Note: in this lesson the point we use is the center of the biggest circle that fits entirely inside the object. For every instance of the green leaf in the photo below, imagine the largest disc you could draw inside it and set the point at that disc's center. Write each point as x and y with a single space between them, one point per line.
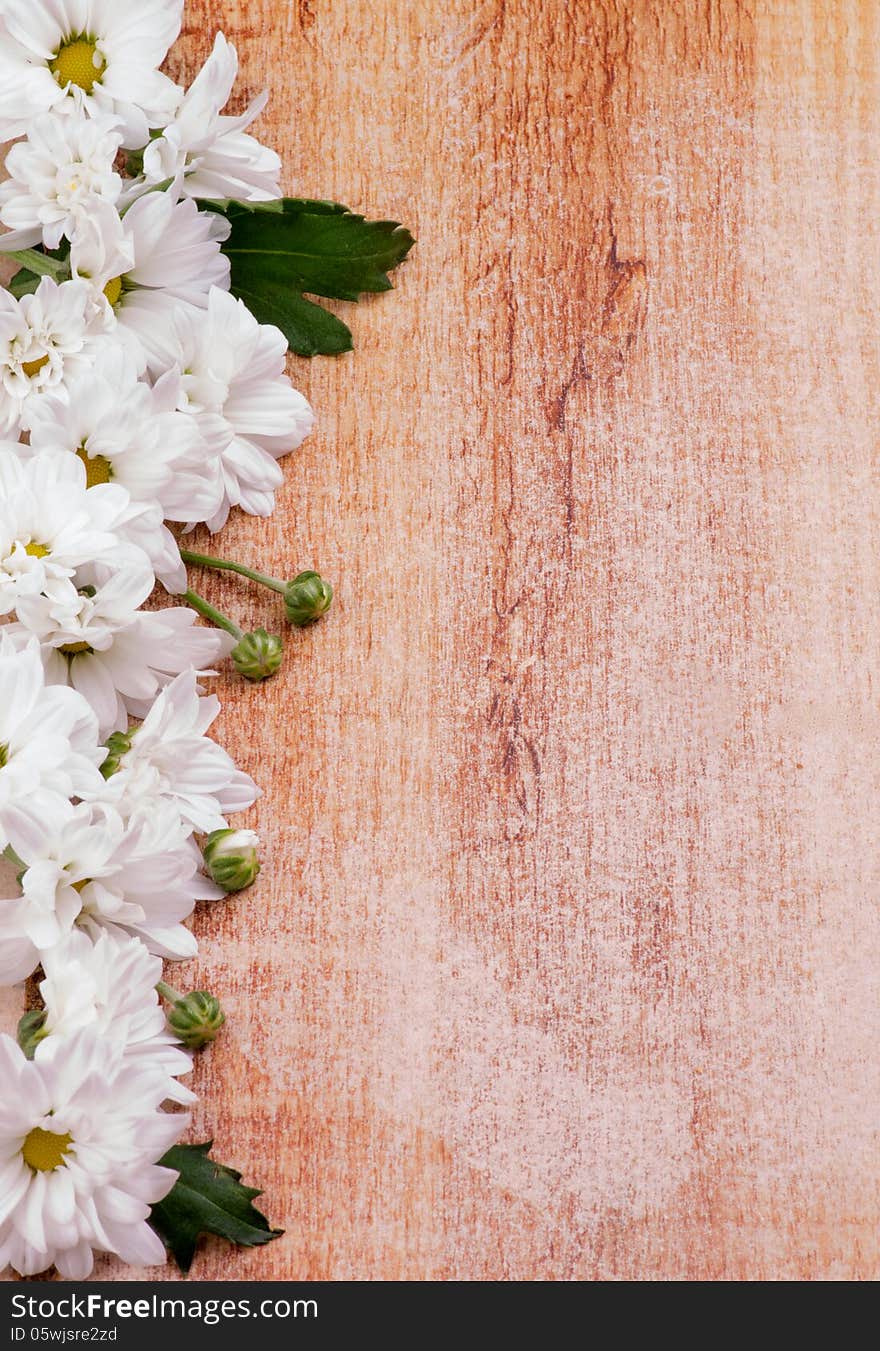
226 206
285 206
24 283
207 1198
309 247
310 330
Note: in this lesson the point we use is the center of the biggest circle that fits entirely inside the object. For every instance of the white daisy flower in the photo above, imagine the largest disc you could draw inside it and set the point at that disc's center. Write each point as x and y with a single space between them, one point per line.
170 759
56 176
213 156
80 1133
234 385
143 525
110 985
95 637
45 340
127 433
160 256
89 868
51 524
101 56
49 748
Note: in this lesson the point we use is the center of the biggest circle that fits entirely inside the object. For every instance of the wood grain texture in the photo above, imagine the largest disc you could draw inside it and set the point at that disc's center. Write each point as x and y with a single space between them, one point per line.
565 962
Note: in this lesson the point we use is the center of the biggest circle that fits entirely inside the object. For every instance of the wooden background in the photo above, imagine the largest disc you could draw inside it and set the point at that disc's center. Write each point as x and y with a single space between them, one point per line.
565 962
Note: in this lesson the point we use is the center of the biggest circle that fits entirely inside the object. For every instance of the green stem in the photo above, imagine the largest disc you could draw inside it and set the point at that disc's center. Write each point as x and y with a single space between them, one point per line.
208 612
224 565
167 992
38 262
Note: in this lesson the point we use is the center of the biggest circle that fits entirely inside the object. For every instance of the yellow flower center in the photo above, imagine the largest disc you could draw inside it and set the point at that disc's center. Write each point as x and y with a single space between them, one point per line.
36 550
32 368
113 290
98 468
79 887
78 62
4 756
44 1150
74 650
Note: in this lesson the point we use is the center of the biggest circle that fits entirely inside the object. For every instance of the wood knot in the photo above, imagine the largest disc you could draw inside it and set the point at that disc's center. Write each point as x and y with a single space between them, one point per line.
623 312
306 15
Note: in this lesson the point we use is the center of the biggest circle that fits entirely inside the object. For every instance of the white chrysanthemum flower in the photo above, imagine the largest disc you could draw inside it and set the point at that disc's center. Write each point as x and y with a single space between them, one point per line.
51 524
212 156
234 384
89 868
143 525
127 433
110 985
95 637
45 340
80 1132
160 256
49 748
57 176
171 759
101 56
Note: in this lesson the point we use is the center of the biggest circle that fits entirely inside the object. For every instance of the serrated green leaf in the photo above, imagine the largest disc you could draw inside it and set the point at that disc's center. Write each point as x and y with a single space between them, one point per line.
207 1198
334 254
225 206
285 206
312 206
309 247
310 330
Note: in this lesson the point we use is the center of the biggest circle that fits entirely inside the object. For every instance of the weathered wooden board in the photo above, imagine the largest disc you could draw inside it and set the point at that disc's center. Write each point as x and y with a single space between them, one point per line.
565 962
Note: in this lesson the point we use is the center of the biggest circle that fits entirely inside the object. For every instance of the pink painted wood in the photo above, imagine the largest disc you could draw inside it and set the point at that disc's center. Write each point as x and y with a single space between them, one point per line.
564 962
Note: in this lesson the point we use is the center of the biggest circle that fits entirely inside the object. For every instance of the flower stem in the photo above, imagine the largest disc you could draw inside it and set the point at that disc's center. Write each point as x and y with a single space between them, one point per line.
225 565
208 612
40 263
168 992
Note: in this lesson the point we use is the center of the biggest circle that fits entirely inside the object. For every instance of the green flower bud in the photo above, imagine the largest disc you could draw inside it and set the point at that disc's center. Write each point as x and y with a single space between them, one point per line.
195 1019
231 858
306 598
118 745
258 655
31 1031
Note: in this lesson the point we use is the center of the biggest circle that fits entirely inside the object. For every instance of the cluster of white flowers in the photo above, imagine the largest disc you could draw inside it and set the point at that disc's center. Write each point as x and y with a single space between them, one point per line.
134 391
